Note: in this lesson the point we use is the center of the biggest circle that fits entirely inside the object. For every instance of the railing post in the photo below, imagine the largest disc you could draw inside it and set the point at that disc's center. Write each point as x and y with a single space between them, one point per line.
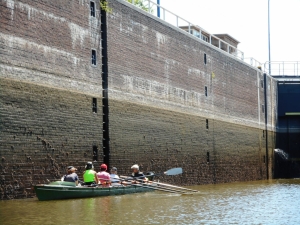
176 20
228 48
189 28
158 8
210 39
148 6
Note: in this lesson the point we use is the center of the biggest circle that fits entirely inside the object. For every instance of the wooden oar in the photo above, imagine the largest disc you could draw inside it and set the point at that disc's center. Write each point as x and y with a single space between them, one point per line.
159 188
166 188
170 172
174 186
174 171
145 185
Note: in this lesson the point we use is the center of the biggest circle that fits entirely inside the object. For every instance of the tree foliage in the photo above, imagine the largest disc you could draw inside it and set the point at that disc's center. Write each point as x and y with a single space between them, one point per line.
143 4
104 6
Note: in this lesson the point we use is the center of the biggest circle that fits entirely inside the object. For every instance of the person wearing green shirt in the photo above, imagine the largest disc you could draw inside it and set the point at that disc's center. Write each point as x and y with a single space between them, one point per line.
89 175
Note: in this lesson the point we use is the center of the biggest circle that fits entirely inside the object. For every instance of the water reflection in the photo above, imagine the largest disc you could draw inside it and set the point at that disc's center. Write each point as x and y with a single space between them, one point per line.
263 202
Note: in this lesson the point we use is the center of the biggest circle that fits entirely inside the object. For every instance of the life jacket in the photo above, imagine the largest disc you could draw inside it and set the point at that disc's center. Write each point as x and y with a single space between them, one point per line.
89 176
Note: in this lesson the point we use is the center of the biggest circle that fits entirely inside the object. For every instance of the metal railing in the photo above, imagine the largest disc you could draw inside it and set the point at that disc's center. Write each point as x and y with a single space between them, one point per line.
177 21
253 62
283 68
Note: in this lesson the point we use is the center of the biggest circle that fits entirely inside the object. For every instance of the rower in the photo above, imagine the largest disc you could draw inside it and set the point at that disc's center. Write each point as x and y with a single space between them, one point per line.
89 175
114 177
136 174
103 176
71 176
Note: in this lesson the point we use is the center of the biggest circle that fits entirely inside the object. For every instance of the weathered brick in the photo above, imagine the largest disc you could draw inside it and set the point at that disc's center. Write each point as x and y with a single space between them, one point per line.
157 103
158 107
47 84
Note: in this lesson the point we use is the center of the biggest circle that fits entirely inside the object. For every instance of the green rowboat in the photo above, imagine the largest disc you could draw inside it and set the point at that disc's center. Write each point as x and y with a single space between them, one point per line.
68 190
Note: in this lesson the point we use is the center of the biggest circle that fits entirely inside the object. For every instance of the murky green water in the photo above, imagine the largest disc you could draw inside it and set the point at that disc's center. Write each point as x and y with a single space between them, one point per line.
263 202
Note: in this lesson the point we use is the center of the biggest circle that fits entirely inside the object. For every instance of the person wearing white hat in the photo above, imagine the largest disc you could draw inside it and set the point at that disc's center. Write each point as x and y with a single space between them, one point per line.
136 172
136 176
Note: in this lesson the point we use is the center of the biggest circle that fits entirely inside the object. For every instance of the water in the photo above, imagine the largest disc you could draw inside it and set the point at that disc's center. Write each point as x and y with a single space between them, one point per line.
282 153
260 202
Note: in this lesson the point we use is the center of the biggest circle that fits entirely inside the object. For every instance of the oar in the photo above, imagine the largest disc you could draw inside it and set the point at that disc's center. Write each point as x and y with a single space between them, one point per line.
169 185
170 172
159 188
165 188
174 171
145 185
161 185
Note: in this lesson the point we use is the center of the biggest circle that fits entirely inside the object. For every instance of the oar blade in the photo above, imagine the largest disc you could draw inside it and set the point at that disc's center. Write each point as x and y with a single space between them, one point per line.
174 171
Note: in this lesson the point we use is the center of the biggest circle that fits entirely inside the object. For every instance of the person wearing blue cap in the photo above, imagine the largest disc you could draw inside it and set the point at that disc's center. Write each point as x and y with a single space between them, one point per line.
114 177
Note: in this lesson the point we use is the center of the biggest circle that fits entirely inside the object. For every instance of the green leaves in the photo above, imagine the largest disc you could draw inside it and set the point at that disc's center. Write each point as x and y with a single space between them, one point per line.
141 4
104 6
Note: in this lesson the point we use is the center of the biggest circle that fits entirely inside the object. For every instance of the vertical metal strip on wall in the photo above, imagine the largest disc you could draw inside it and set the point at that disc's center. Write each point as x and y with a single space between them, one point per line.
105 109
266 124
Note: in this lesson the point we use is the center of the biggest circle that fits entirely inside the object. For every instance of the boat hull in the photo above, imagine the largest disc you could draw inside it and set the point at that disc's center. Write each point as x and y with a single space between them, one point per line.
46 192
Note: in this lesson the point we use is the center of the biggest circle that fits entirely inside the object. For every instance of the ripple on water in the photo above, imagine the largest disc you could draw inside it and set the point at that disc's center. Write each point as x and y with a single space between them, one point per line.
261 202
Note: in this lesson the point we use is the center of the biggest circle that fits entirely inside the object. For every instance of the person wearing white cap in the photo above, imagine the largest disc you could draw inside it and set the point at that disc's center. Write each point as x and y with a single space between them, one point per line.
136 172
136 176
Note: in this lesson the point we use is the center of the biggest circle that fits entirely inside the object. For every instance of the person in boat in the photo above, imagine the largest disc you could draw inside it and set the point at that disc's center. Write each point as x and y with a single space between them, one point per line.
103 176
114 177
89 175
137 175
71 176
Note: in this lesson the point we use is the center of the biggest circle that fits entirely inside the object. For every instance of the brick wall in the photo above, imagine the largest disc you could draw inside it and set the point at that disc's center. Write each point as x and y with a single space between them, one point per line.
160 139
49 43
43 130
47 84
158 111
158 107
